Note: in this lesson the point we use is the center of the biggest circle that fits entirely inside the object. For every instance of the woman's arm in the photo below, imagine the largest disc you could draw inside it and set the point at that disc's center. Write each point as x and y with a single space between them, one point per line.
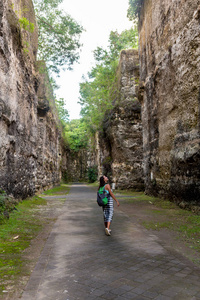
107 187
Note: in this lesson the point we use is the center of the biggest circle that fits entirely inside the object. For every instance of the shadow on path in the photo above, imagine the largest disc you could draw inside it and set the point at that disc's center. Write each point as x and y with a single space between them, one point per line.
80 262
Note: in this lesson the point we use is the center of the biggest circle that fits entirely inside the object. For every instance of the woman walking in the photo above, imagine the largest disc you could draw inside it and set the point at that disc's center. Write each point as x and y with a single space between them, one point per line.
108 208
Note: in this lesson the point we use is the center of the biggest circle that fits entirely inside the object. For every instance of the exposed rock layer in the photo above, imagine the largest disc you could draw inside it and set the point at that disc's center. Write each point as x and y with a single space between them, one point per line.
123 128
29 134
75 165
170 96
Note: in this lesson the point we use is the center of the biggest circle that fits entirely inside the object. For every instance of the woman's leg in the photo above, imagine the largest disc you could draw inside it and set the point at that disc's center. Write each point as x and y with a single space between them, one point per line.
105 224
108 225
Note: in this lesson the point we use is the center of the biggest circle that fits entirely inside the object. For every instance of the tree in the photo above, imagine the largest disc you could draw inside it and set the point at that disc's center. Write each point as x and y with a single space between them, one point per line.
99 91
59 35
134 9
76 135
62 111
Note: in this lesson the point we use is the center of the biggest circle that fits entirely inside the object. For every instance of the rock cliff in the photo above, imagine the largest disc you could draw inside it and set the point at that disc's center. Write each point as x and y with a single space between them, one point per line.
122 137
32 153
169 51
75 165
29 128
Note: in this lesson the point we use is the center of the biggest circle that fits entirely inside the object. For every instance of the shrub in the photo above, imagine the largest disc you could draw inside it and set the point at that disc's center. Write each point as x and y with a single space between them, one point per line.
92 174
2 201
7 204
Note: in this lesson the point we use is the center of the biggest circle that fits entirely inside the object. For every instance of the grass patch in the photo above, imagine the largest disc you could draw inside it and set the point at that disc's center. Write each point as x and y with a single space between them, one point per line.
95 184
164 214
183 222
135 196
128 192
157 225
58 190
15 236
158 212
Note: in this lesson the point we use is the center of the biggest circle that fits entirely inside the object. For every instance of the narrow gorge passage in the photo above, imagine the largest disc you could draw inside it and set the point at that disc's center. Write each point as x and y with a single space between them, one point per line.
80 262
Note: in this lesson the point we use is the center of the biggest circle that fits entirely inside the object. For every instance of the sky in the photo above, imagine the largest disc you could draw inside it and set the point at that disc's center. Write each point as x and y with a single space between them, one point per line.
98 18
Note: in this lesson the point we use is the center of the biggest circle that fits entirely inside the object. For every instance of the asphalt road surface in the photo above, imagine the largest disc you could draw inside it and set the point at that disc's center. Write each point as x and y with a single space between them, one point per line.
80 262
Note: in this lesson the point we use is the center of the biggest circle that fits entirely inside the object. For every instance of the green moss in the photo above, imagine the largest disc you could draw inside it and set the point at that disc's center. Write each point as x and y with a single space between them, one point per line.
58 190
158 212
36 200
157 225
163 214
95 184
138 196
15 236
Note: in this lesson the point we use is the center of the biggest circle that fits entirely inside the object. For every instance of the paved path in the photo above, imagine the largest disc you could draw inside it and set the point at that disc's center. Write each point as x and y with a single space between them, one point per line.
80 262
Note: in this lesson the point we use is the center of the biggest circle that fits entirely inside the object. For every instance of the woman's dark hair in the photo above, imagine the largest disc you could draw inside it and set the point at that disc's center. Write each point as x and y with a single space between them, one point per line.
101 182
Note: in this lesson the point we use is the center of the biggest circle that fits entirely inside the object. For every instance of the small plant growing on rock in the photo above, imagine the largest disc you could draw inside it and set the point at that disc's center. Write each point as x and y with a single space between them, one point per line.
24 24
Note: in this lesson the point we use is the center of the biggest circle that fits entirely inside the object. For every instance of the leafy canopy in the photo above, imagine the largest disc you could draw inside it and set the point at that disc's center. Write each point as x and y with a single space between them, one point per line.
98 92
134 9
76 135
59 35
58 45
62 111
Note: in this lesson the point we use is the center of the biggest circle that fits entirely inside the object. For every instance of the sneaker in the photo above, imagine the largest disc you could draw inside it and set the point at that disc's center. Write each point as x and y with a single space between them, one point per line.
107 231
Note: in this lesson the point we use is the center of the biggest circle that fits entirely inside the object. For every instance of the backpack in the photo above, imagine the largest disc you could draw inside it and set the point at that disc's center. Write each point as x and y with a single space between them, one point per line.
102 199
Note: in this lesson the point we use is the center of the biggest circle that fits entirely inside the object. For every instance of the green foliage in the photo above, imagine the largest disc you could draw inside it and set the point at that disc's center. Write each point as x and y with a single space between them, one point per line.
26 25
76 135
2 201
126 40
134 9
62 111
97 95
59 35
99 91
92 174
16 234
65 176
63 189
7 204
25 46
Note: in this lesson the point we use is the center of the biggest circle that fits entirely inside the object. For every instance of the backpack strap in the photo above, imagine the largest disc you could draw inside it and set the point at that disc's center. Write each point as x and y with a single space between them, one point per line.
105 189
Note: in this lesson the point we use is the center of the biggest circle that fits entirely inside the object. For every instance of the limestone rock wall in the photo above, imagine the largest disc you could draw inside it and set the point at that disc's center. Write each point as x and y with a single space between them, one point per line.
123 128
29 129
169 51
75 165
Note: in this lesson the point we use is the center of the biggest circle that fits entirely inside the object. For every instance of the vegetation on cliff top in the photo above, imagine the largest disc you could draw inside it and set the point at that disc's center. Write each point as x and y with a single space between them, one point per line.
134 9
99 91
76 135
59 35
58 46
